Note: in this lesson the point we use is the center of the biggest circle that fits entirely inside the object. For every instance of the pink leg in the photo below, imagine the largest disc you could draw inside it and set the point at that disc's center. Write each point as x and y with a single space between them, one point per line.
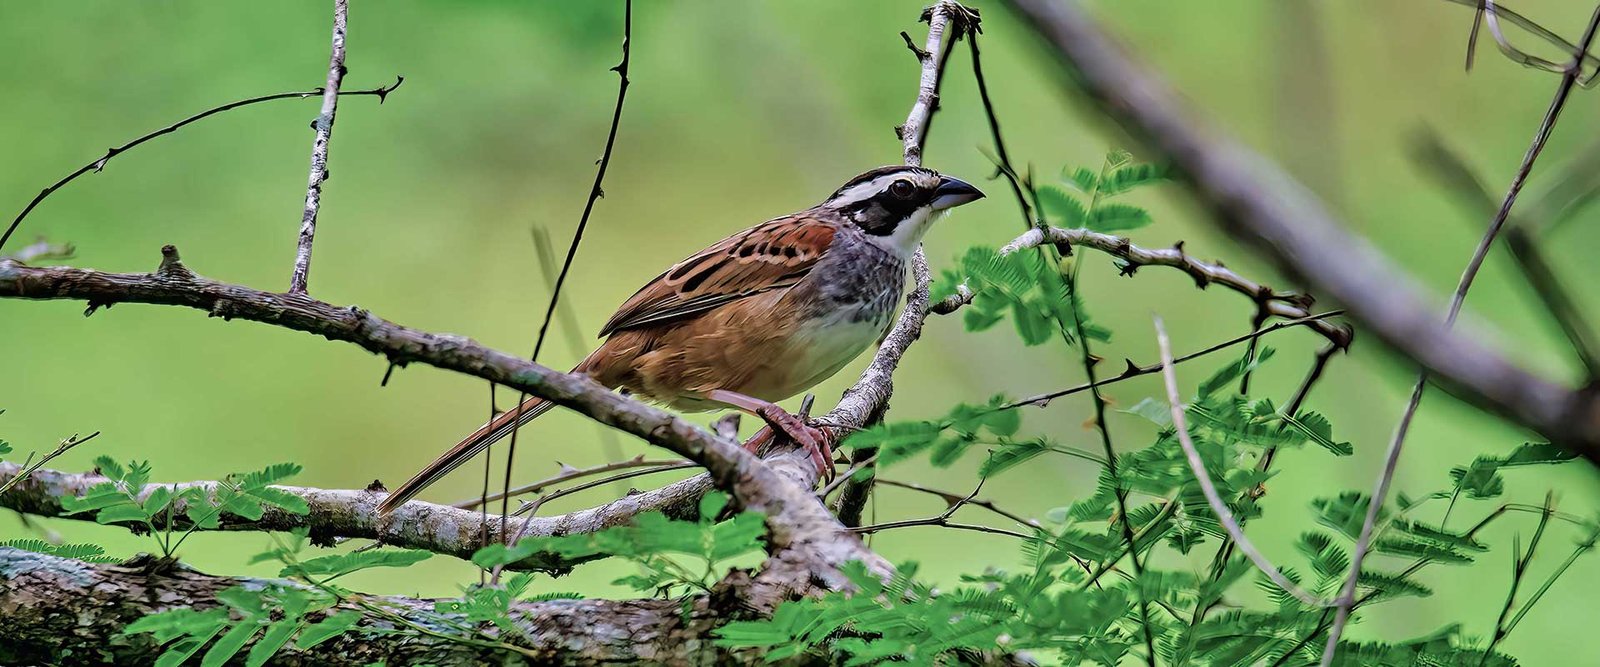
779 420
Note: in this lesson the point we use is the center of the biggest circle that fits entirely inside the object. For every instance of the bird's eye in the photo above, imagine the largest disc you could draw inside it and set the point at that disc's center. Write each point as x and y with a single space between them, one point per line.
901 189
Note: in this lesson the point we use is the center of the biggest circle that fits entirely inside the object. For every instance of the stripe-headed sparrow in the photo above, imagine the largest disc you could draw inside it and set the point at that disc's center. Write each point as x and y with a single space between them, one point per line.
761 315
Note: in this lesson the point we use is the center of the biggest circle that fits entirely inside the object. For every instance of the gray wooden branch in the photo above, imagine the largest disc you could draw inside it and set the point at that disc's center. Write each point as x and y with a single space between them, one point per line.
441 529
319 151
1287 305
795 519
1257 203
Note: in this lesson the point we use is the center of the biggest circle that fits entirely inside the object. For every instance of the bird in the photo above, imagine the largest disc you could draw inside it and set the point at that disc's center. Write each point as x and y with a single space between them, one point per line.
759 316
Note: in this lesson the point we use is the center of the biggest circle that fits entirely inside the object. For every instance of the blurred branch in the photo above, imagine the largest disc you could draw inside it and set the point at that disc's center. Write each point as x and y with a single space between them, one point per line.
865 402
1288 305
98 164
30 466
1257 203
42 250
319 151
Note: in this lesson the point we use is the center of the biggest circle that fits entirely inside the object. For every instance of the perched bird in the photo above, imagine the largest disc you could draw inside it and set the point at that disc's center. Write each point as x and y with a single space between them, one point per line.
757 317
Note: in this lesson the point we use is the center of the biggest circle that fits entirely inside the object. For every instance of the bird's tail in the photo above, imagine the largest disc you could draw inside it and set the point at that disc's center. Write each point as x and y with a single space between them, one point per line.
486 435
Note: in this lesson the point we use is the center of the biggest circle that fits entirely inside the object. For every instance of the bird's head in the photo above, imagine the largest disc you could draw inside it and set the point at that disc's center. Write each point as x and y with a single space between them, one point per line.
895 205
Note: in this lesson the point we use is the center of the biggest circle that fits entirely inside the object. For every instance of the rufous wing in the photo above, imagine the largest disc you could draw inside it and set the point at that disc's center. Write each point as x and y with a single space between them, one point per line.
772 255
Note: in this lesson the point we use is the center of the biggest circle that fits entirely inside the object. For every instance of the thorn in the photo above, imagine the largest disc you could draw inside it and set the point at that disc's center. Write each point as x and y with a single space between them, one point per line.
171 264
343 70
376 486
565 469
1095 359
1132 369
386 373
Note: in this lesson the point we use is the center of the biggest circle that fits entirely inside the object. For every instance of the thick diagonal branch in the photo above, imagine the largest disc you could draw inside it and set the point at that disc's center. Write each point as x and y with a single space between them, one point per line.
1259 204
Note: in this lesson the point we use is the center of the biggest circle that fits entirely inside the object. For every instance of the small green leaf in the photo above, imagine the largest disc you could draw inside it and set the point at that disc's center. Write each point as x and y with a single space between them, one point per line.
1060 208
1113 217
121 514
1083 179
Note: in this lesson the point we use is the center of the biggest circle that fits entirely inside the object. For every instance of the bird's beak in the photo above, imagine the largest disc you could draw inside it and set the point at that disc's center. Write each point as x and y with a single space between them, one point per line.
953 192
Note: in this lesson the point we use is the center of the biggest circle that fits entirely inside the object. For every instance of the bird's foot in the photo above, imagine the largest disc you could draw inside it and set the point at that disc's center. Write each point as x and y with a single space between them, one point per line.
813 440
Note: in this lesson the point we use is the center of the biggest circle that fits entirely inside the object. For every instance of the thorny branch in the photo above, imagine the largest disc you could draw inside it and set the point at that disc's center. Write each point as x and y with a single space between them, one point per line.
1288 305
319 151
96 165
596 191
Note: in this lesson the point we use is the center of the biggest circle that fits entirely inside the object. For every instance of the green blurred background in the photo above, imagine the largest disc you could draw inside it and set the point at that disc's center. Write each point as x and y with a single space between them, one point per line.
740 111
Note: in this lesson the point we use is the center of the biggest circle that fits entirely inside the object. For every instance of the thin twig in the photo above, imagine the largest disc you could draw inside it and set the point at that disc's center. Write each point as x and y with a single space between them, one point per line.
1452 172
319 151
958 500
1392 457
544 249
1519 570
1197 466
596 191
61 448
98 164
568 474
1133 370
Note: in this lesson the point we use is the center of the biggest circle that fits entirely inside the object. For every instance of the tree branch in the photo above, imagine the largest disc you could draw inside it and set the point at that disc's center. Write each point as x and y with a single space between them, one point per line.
58 607
94 166
441 529
1288 305
1259 204
795 519
865 402
319 151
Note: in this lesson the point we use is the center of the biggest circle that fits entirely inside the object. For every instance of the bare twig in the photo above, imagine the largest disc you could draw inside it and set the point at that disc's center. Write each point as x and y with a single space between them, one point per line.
1133 370
866 401
1259 204
1452 172
28 469
1519 570
98 164
568 474
319 151
956 500
1392 457
1512 17
1197 466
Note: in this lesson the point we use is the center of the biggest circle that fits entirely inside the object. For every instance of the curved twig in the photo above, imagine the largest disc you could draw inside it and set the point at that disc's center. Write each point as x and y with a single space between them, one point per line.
98 164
